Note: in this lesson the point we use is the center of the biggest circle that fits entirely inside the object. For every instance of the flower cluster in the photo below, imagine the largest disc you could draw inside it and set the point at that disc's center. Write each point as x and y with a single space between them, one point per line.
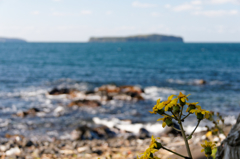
172 109
207 148
153 147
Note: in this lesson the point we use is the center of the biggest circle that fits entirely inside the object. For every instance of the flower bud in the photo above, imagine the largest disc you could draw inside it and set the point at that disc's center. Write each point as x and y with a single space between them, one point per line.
208 150
161 111
169 109
176 109
159 146
191 107
168 121
200 116
181 102
151 155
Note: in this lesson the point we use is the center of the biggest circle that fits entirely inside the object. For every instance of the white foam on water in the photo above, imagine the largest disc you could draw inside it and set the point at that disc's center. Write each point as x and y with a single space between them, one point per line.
154 93
154 128
230 120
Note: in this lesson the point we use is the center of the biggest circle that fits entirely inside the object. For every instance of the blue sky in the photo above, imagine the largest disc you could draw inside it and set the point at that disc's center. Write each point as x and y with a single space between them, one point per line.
77 20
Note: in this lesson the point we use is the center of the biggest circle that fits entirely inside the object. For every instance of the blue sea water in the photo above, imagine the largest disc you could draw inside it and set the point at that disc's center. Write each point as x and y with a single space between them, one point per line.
29 70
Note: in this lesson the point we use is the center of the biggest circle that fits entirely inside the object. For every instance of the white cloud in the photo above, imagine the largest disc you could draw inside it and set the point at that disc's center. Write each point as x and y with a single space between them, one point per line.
143 5
58 14
184 7
196 2
224 1
109 12
155 14
35 12
167 6
214 13
86 12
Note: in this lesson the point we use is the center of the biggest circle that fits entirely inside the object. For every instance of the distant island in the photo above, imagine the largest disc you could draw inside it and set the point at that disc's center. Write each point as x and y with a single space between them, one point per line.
11 40
138 38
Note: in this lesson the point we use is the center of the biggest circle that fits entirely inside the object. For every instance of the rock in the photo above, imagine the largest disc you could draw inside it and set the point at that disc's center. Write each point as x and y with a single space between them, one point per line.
21 114
59 111
33 111
171 131
15 137
230 147
143 133
200 82
122 97
131 89
56 91
103 132
99 152
3 148
27 143
13 151
83 149
85 103
76 134
108 89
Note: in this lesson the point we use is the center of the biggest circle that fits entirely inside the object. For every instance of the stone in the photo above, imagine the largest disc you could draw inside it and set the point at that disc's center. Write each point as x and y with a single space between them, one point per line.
85 103
143 133
13 151
230 147
56 91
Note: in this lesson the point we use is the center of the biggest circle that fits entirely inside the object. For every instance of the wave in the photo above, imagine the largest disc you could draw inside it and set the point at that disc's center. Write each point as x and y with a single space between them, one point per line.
194 82
154 93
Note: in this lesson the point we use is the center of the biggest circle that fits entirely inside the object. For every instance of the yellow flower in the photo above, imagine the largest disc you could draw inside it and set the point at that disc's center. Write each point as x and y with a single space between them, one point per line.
168 100
157 107
171 104
192 106
182 97
208 147
148 154
167 120
199 110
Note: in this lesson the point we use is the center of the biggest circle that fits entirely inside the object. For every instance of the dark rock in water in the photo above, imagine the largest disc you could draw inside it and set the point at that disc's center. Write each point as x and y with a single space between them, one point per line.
172 131
143 133
33 111
87 133
103 132
56 91
21 114
84 102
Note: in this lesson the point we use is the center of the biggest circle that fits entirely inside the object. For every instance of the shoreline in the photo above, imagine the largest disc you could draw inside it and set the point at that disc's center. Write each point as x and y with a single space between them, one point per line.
117 147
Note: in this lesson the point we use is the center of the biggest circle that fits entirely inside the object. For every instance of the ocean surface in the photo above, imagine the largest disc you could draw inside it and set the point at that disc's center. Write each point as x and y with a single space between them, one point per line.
29 70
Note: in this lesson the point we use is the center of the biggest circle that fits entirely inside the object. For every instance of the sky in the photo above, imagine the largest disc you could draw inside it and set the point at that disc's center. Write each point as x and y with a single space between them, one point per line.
78 20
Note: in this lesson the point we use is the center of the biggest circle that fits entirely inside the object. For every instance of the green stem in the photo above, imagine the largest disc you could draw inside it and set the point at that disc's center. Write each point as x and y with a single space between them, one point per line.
190 136
175 117
185 117
181 112
176 128
171 116
185 139
174 152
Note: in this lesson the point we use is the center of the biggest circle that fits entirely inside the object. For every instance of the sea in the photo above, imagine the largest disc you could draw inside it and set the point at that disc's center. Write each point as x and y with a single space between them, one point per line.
28 71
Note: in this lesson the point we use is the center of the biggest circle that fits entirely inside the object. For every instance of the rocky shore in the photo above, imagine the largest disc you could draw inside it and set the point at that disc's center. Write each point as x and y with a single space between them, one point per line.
85 145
